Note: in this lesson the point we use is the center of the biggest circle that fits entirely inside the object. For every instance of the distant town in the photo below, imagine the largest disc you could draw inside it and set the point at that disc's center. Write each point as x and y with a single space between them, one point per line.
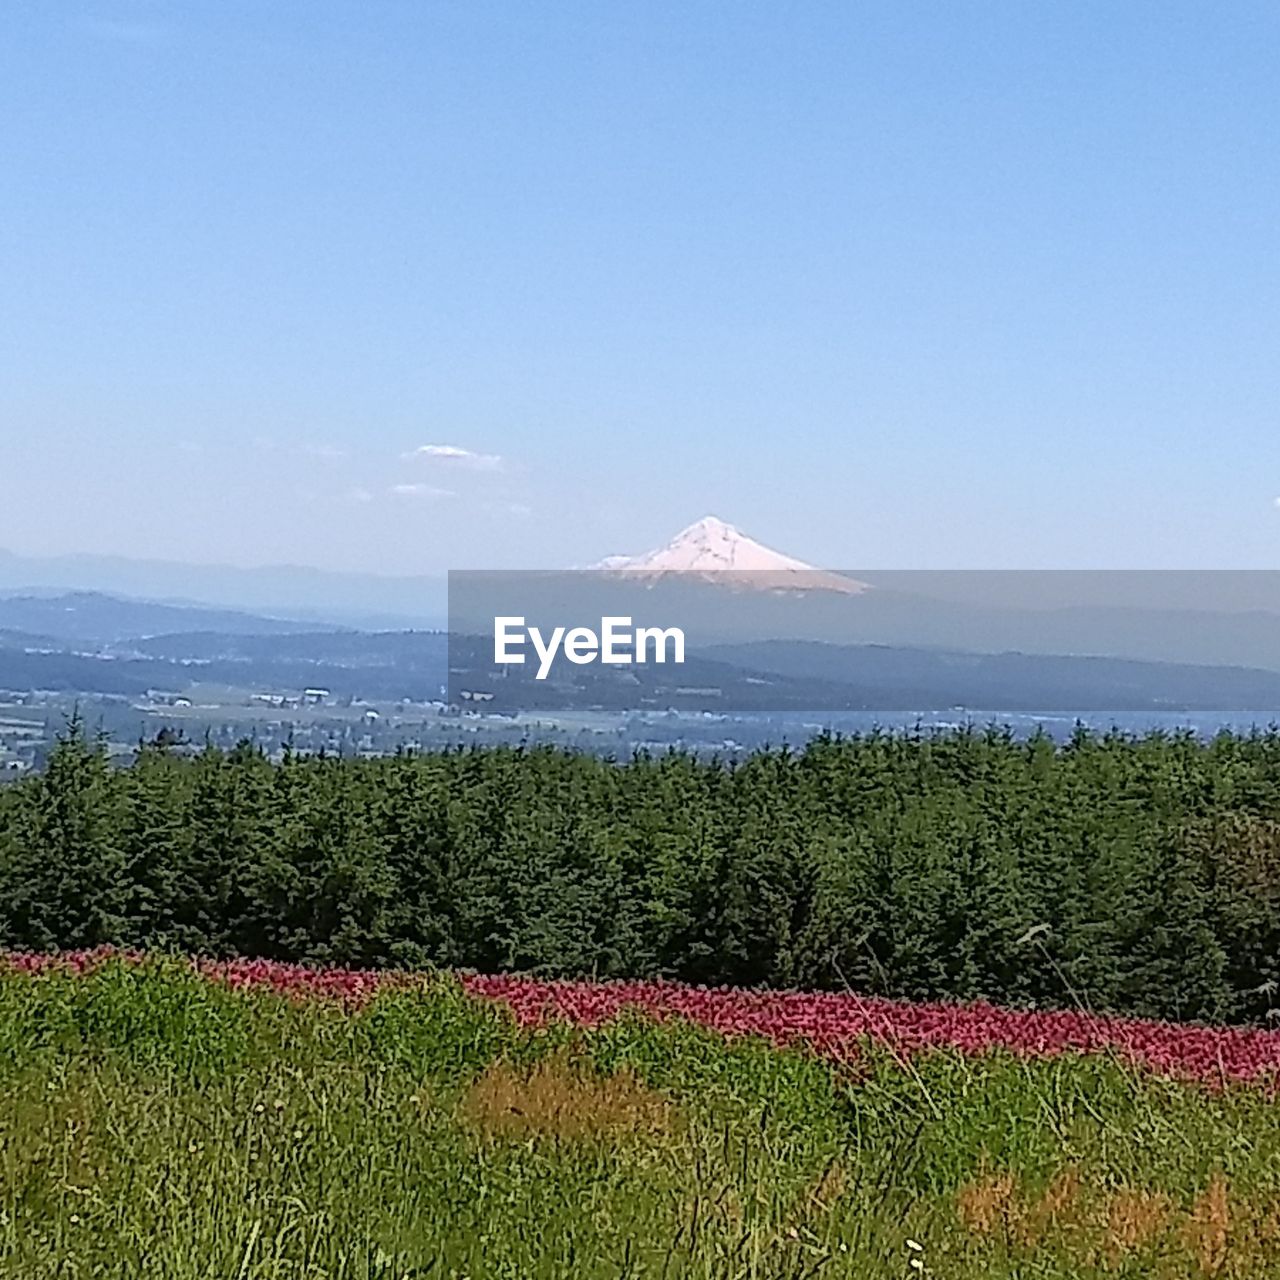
192 676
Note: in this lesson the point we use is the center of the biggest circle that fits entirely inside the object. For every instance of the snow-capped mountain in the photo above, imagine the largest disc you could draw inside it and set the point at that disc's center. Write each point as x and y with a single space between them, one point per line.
715 550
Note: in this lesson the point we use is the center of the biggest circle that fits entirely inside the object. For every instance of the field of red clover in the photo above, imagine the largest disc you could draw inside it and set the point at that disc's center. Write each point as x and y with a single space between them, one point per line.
832 1024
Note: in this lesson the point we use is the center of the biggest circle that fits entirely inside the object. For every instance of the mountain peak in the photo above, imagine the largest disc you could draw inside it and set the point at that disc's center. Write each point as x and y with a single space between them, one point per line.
711 525
720 552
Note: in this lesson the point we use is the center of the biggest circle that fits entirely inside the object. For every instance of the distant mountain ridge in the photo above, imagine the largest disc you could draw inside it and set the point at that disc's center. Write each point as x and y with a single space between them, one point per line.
299 593
93 617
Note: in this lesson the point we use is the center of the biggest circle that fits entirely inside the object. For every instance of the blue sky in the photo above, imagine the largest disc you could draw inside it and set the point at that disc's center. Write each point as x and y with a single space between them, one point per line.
893 284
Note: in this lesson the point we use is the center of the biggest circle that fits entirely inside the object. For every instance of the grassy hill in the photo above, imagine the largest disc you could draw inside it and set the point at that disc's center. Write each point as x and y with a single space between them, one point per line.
156 1125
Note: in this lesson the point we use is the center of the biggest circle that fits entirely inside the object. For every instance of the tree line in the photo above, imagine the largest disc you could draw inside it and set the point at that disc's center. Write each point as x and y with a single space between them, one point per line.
1137 874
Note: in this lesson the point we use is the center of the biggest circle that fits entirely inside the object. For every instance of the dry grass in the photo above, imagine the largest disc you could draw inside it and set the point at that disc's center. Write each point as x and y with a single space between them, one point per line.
1218 1234
561 1099
1056 1211
1135 1220
1207 1231
988 1205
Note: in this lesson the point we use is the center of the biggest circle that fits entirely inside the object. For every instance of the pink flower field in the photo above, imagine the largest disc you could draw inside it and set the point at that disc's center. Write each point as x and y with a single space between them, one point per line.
833 1024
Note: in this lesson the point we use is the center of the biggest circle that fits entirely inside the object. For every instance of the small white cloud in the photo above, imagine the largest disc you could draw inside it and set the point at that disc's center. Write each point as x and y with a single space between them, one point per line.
327 452
1276 502
427 491
456 456
359 494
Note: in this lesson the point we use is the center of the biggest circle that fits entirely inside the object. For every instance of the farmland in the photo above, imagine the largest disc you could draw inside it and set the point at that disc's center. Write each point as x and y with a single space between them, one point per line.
163 1119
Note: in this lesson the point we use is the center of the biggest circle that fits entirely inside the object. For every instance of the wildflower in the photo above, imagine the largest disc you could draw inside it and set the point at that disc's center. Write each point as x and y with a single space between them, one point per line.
297 1135
259 1109
830 1022
915 1246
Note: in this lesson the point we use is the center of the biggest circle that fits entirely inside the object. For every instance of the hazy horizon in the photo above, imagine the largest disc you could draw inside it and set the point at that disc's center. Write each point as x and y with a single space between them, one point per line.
395 600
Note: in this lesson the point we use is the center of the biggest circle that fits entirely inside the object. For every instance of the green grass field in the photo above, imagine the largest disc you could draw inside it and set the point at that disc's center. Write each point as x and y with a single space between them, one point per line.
155 1124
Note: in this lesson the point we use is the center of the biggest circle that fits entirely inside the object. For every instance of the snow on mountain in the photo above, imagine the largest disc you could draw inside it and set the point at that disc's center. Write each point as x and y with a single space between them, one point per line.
718 552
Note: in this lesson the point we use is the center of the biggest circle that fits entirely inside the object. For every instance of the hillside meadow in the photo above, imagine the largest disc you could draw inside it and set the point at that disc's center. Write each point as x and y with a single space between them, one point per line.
955 1005
161 1119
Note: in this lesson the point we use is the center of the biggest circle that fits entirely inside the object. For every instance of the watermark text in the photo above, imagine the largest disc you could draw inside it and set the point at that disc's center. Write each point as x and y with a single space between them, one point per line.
615 644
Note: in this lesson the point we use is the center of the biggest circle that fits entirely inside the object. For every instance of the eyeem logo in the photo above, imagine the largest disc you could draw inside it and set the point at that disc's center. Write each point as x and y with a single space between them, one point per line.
615 644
